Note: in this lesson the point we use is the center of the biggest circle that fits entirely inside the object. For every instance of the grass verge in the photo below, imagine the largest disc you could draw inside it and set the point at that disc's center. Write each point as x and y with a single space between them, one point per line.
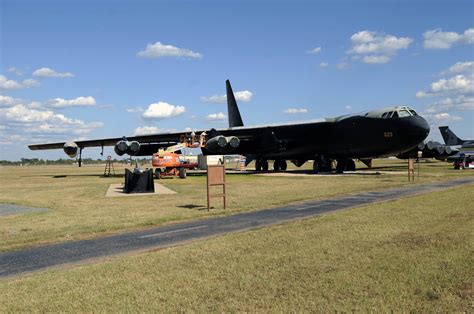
413 254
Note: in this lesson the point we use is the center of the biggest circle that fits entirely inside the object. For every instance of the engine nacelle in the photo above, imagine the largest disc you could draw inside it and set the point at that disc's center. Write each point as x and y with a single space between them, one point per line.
121 147
133 148
70 148
233 142
216 144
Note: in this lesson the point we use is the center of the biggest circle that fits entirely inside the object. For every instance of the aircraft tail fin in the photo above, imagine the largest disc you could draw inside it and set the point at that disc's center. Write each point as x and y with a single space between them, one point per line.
232 110
449 137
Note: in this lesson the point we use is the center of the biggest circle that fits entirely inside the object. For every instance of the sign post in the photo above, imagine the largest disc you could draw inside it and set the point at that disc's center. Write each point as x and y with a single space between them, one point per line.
411 170
216 177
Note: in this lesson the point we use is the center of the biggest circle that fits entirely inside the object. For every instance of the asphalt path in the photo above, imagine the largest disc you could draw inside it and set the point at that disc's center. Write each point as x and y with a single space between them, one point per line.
37 258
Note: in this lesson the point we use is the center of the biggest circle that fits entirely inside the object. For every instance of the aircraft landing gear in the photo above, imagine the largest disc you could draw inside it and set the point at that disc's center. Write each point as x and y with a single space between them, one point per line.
321 164
261 165
345 165
279 164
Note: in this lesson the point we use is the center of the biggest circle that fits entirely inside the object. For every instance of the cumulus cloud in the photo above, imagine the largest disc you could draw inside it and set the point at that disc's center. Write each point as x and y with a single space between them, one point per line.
75 102
15 71
6 101
162 110
243 96
461 67
48 72
442 117
461 102
159 50
6 84
314 50
437 39
24 119
295 110
220 116
324 64
377 48
9 84
145 130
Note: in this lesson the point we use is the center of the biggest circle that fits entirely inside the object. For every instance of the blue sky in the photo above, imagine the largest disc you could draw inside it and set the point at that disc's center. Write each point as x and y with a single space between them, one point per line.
94 69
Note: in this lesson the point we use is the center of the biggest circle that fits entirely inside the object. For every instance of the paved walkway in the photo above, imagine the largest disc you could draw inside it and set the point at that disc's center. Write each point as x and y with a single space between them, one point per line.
17 262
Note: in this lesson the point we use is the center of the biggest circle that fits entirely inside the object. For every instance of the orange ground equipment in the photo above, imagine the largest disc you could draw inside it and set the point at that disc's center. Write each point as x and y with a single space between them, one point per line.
169 163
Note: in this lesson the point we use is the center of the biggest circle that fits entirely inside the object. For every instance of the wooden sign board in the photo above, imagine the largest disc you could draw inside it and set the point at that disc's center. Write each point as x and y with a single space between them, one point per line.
216 177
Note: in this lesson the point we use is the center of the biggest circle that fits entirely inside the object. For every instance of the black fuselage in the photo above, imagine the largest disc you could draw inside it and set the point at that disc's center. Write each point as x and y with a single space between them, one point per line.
351 137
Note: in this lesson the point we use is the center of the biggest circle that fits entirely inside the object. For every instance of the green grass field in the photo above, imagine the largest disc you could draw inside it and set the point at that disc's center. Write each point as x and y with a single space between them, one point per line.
79 209
408 255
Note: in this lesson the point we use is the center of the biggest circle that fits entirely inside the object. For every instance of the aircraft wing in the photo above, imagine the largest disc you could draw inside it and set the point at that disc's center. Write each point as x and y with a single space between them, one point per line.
168 138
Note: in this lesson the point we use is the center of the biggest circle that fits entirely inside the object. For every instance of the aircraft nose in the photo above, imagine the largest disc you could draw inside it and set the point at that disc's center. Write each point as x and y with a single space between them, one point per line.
419 128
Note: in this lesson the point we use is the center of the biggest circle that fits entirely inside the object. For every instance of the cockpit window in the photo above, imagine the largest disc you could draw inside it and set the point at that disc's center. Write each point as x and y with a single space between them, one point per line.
395 114
384 115
413 112
403 113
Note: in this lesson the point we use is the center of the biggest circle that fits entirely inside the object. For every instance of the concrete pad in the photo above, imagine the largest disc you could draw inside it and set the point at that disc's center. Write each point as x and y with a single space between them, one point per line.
116 189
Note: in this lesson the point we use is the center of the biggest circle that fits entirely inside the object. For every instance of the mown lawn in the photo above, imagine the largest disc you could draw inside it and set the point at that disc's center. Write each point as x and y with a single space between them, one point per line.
79 208
413 254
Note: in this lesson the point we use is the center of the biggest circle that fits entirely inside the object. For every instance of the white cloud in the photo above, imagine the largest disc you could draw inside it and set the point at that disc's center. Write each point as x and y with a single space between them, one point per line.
15 71
75 102
374 59
8 101
24 119
314 50
6 84
377 48
348 107
134 110
295 110
324 64
145 130
461 102
220 116
437 39
242 96
9 84
163 110
456 83
462 67
48 72
30 83
442 117
158 50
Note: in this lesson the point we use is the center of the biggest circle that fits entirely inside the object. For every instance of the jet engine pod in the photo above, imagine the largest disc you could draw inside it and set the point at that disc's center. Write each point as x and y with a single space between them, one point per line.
233 141
216 144
70 148
133 148
121 148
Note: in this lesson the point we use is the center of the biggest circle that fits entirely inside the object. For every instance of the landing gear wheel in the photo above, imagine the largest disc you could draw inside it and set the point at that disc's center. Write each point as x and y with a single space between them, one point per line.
316 167
265 165
157 173
182 173
283 165
276 165
258 165
351 165
341 166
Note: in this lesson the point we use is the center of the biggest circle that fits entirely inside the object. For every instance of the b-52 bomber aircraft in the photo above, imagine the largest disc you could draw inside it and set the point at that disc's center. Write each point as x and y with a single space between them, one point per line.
377 133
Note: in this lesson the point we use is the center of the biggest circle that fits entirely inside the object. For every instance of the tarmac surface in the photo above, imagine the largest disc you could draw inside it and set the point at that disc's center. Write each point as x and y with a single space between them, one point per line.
38 258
